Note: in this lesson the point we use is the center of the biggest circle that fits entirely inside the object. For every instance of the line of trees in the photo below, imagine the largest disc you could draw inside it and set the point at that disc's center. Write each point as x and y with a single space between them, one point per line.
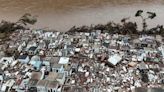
125 27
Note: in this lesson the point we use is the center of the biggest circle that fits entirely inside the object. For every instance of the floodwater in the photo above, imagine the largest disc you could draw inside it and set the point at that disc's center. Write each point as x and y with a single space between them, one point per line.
63 14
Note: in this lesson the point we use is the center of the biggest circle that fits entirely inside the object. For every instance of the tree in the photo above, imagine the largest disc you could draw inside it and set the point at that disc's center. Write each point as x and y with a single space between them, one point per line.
128 27
151 15
138 13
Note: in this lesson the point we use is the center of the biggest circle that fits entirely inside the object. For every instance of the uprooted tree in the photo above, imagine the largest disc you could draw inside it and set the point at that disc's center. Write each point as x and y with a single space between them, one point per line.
151 15
6 26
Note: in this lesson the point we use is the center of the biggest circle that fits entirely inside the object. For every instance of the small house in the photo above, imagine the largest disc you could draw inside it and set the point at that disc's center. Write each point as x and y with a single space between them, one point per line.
61 78
59 68
36 62
32 83
114 59
53 86
32 50
41 45
64 61
51 76
68 70
34 78
41 86
31 44
49 61
24 59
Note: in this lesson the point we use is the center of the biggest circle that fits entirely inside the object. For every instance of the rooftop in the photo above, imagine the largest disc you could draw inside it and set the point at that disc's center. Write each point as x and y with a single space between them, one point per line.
60 75
64 60
53 84
33 48
57 66
35 58
32 82
36 75
52 76
42 83
22 57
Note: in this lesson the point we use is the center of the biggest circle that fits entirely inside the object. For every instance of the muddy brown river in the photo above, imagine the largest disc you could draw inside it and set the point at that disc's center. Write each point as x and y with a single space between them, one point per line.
63 14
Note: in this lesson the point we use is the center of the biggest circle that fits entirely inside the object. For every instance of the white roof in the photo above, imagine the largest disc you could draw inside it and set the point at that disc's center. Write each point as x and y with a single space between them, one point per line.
63 60
115 59
77 49
87 34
